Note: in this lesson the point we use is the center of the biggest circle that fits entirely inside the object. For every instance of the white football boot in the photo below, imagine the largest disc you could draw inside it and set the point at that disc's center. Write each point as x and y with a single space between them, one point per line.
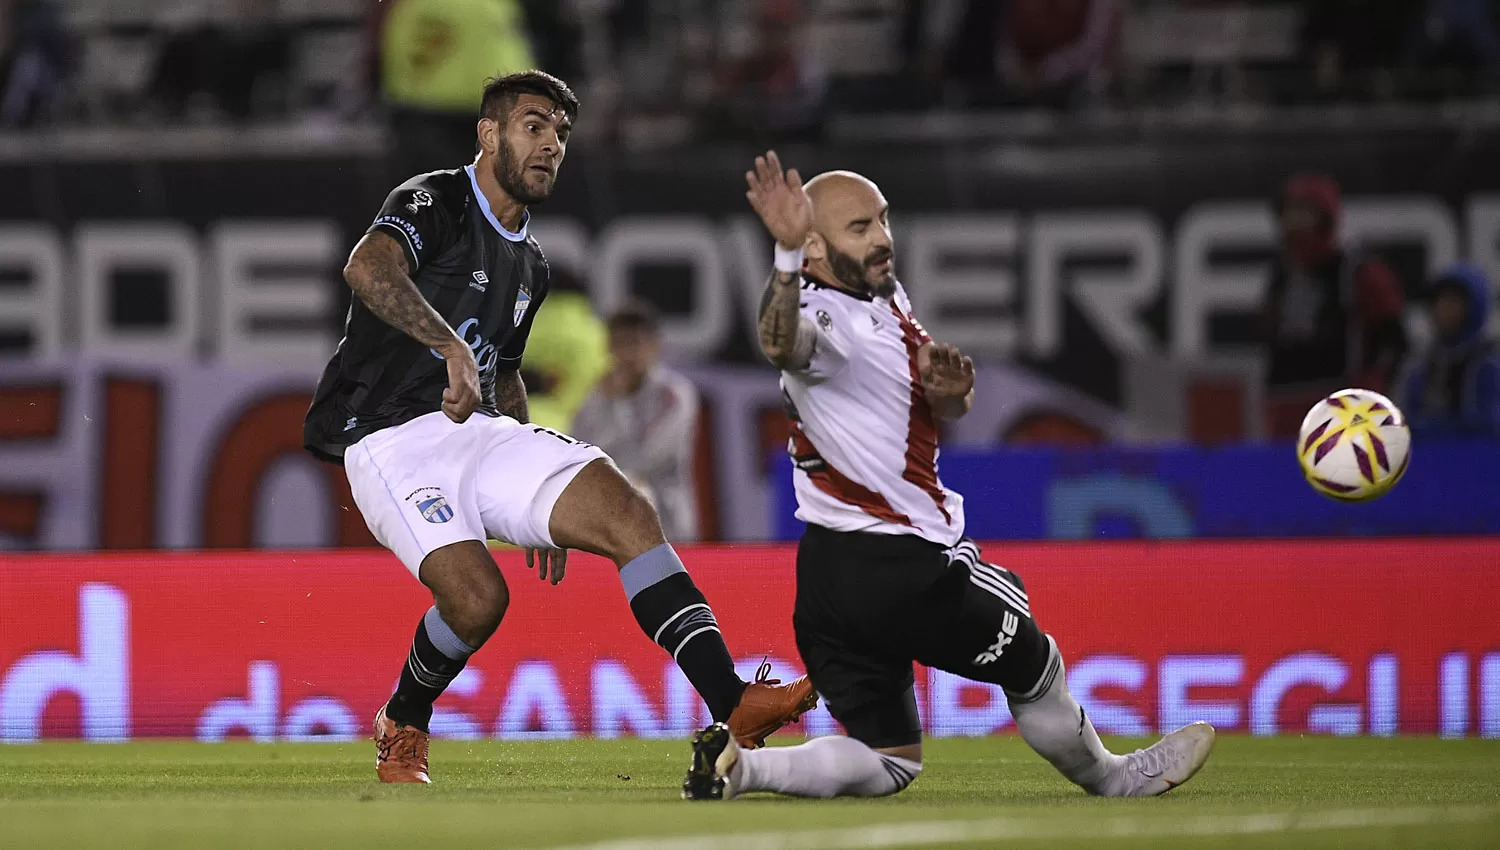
1165 764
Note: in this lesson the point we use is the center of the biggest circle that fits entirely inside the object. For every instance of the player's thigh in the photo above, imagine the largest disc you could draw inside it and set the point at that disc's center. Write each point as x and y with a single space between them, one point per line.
871 694
866 682
412 487
520 475
979 625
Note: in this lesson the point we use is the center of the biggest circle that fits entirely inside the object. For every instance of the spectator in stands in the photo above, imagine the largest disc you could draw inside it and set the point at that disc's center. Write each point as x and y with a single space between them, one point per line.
777 92
567 354
1331 318
1452 388
1457 46
1058 51
1350 46
35 58
646 417
229 67
434 58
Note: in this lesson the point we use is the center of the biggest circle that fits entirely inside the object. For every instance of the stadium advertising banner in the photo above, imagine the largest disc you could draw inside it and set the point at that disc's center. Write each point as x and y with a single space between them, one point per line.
1251 490
1266 638
187 455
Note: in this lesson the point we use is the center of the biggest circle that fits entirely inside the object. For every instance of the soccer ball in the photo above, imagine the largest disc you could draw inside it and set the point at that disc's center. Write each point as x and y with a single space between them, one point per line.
1354 446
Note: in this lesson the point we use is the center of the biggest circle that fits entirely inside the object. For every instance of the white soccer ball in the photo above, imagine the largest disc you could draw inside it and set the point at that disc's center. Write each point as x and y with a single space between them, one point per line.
1354 446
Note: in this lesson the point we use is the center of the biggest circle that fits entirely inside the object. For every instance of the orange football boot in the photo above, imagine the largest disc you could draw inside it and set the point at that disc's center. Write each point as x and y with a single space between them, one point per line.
400 751
768 705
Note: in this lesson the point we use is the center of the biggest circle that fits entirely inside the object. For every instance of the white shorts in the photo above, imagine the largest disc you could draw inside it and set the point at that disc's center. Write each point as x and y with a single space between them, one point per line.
431 482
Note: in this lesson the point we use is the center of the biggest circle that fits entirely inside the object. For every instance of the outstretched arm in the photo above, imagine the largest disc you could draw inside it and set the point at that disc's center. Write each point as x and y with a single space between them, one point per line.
786 336
377 271
379 275
783 206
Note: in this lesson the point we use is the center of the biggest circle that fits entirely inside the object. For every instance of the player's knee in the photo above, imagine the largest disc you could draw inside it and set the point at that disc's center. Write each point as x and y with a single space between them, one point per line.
476 611
638 528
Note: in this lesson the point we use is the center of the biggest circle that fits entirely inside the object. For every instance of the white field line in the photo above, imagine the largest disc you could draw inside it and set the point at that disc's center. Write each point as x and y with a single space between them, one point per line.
920 833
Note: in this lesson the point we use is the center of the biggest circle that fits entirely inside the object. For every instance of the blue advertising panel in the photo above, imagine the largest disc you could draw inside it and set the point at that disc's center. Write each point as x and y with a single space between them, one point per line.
1240 491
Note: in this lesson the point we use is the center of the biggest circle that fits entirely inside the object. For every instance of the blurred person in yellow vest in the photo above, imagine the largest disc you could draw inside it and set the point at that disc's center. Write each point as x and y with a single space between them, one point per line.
567 355
434 55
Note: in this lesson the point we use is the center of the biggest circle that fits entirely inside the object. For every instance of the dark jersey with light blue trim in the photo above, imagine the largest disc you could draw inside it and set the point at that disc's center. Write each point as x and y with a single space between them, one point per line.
486 282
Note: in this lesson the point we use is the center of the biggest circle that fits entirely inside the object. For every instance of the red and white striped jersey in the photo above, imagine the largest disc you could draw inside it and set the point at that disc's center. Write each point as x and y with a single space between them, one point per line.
864 440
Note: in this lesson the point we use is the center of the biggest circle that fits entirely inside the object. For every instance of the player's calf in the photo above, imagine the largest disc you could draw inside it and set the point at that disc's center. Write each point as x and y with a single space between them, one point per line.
471 599
601 512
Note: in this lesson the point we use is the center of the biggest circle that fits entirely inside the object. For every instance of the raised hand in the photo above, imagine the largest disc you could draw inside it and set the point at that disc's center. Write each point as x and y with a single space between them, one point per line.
780 201
946 373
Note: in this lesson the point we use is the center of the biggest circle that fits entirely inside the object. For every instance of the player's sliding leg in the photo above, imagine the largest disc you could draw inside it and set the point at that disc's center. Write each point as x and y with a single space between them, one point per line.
470 598
1056 726
832 766
995 640
600 512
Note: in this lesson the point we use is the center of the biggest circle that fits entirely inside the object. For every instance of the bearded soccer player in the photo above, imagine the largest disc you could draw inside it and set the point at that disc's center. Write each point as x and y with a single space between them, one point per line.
423 405
885 575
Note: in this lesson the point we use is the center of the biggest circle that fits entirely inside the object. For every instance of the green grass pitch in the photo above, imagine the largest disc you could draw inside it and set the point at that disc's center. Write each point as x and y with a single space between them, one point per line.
1302 792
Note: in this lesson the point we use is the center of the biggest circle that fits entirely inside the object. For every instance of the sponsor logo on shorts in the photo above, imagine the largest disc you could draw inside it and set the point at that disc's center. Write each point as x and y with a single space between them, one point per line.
435 509
1007 633
431 504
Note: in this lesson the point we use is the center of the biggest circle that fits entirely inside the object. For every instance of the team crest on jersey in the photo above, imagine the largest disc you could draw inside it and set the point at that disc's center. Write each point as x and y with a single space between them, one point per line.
825 321
523 300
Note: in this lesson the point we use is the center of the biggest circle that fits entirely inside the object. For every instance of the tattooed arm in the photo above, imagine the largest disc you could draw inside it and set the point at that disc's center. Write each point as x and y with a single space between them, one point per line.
510 396
378 274
786 336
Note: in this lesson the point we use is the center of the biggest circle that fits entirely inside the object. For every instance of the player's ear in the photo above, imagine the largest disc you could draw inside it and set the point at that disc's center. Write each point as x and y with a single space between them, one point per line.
489 135
816 248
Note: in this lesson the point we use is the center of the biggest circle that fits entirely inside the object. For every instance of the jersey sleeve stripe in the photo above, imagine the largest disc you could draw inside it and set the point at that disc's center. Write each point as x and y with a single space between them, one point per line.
406 243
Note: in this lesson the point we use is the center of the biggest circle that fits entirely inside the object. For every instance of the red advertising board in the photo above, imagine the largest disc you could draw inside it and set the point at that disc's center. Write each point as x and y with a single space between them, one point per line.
1378 637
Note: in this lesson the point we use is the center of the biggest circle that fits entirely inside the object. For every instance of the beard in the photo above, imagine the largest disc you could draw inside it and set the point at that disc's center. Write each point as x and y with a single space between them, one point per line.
855 274
511 175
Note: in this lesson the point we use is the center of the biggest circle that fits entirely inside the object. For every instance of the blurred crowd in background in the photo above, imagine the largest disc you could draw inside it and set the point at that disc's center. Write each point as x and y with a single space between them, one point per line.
696 68
681 75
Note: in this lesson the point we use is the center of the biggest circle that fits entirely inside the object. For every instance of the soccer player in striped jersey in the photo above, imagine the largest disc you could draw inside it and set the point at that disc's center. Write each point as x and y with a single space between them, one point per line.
885 576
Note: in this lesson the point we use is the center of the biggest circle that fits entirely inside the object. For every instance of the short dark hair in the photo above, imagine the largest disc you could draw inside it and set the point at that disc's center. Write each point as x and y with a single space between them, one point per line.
500 92
635 315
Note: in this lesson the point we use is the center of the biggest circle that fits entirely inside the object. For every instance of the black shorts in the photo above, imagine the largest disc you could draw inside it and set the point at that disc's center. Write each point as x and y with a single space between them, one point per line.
868 605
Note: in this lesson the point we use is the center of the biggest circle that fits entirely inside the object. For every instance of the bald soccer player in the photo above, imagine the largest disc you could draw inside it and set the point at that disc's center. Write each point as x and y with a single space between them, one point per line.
885 575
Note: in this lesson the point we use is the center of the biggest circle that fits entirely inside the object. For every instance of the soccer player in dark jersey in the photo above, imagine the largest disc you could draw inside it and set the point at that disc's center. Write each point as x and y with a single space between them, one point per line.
885 576
446 284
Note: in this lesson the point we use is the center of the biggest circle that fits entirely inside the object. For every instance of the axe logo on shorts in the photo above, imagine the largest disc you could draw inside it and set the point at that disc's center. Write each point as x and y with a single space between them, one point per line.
1007 633
431 504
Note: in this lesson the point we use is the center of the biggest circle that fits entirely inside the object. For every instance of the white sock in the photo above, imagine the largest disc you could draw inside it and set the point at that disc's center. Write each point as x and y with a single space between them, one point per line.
835 766
1054 724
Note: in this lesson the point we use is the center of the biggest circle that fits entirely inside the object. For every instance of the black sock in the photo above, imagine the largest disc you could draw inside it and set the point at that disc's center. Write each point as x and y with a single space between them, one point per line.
430 667
671 610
